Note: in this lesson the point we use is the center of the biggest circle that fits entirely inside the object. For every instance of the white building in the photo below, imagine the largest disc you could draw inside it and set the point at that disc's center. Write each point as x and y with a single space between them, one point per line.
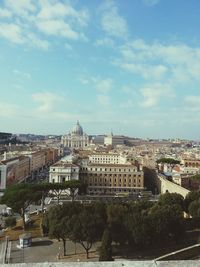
76 138
107 158
63 171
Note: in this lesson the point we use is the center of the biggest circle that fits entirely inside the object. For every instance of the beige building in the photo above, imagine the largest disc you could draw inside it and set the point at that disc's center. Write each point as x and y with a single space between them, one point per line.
191 163
112 178
13 171
37 160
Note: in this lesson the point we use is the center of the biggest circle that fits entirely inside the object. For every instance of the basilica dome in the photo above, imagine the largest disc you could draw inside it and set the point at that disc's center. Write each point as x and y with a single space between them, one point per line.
77 129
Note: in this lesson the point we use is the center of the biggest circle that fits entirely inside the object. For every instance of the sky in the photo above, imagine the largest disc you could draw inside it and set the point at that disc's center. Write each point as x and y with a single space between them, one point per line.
127 66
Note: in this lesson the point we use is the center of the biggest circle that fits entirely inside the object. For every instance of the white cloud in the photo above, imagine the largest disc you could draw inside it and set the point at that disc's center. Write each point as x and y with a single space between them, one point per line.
147 71
104 86
21 7
22 74
58 28
151 2
104 100
105 42
11 32
5 13
32 19
47 101
112 23
178 63
57 10
153 93
37 42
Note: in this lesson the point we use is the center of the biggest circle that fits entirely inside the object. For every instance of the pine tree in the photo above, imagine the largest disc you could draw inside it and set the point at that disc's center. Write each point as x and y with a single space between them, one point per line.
106 247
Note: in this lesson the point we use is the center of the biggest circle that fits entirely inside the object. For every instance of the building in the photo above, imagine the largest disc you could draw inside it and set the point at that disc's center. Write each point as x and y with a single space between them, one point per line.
37 160
107 158
63 171
76 138
114 140
112 178
13 171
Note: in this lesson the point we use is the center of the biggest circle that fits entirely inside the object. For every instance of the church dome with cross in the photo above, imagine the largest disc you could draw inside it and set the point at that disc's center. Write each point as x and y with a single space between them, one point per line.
77 129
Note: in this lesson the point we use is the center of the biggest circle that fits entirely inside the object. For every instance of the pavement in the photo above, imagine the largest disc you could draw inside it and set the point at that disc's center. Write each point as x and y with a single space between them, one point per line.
47 250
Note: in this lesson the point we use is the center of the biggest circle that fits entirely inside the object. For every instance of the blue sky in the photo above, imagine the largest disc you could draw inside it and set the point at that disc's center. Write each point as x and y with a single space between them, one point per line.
131 66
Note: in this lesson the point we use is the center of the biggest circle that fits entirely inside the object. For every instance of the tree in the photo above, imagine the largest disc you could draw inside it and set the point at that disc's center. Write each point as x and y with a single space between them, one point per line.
191 196
86 227
116 215
138 224
194 208
170 161
10 222
44 189
106 246
19 197
45 224
69 188
167 222
60 221
171 199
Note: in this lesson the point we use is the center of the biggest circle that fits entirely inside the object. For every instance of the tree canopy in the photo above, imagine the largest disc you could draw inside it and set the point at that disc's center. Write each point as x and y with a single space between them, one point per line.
170 161
19 197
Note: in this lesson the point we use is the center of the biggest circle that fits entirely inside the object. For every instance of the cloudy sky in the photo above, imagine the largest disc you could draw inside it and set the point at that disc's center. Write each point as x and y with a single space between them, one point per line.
132 66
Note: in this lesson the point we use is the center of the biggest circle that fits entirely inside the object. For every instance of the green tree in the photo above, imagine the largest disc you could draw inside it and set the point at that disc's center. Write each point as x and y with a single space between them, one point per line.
191 196
171 199
167 222
138 224
194 208
45 224
10 221
87 227
60 221
116 216
170 161
19 197
106 246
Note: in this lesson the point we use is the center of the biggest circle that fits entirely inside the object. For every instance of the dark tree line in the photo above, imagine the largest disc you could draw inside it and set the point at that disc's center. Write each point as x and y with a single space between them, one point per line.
138 224
20 196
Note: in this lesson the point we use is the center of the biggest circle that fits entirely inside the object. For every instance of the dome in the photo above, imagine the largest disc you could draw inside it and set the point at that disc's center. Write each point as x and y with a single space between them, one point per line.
77 129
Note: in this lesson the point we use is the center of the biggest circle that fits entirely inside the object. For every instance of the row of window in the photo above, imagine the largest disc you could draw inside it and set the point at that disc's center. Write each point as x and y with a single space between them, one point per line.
108 169
111 175
121 185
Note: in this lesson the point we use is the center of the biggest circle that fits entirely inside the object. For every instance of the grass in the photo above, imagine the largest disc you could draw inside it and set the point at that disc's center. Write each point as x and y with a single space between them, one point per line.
17 230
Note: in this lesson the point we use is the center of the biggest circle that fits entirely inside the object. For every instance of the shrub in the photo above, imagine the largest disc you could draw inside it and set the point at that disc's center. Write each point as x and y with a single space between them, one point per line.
10 221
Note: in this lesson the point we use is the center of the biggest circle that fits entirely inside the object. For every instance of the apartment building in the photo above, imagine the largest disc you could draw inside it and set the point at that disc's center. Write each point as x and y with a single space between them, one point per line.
112 178
107 158
13 171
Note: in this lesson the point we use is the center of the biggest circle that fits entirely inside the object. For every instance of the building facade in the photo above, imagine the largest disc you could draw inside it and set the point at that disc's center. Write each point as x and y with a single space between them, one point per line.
76 138
61 172
14 171
112 178
107 158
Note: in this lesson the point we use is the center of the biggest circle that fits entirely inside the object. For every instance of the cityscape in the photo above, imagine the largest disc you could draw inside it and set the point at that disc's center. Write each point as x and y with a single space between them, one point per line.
99 133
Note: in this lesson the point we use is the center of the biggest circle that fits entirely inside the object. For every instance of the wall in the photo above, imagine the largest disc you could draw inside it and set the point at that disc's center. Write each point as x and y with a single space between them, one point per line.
166 186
